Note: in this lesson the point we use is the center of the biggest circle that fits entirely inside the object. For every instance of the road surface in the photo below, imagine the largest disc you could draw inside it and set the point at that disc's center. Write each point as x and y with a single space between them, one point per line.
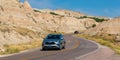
75 47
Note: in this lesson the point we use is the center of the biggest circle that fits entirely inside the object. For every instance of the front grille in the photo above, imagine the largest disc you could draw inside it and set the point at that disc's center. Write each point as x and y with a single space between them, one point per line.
50 43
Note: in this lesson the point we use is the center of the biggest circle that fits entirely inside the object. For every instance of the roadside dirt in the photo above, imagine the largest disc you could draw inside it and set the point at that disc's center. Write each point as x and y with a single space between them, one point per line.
116 57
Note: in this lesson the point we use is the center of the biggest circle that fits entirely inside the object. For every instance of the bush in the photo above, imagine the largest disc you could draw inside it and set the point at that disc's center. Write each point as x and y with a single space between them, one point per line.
94 25
37 11
97 19
53 13
82 17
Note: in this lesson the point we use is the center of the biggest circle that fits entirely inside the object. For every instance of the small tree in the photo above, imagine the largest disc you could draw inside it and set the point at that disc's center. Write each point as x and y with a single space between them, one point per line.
53 13
94 25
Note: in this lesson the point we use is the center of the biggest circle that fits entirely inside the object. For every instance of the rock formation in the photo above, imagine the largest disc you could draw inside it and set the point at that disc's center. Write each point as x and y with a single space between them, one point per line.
108 28
60 21
20 23
17 23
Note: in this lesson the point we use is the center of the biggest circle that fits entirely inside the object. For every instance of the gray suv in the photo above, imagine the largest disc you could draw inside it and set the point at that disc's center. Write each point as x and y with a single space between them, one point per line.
54 41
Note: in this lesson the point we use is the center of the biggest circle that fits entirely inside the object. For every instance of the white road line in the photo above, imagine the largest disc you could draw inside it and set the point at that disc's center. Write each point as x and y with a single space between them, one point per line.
99 46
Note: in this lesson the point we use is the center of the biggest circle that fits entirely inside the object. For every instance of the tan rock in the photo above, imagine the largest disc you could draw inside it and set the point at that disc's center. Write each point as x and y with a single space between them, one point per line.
66 24
110 28
68 13
117 38
19 23
27 6
2 49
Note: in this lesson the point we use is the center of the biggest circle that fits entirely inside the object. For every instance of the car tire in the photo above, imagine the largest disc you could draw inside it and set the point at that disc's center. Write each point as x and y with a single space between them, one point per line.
43 49
63 47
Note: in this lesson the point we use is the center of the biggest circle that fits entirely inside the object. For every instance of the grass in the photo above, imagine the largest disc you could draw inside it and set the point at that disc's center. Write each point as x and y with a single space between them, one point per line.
27 32
34 36
102 41
10 49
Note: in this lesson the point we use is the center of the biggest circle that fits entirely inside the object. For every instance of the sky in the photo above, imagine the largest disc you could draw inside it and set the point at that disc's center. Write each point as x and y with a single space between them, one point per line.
105 8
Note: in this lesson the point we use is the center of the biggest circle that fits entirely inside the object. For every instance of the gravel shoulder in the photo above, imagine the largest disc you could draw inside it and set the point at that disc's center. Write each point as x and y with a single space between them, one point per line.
103 53
116 57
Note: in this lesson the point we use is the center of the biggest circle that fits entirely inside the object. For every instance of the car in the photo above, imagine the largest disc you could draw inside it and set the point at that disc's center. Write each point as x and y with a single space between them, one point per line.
76 32
54 41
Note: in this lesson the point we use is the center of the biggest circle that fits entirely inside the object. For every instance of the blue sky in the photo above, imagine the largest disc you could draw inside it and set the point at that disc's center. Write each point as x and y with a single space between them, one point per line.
107 8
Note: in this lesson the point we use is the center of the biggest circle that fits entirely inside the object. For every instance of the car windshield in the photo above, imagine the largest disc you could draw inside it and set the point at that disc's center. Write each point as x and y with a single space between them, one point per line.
53 37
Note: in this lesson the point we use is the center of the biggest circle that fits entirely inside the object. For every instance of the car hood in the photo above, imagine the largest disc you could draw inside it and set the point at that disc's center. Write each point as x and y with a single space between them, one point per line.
51 40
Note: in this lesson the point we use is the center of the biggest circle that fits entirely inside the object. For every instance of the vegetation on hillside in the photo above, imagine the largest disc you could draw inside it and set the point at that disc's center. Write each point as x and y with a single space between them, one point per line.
98 19
94 25
53 13
21 47
35 39
37 11
82 17
95 18
27 32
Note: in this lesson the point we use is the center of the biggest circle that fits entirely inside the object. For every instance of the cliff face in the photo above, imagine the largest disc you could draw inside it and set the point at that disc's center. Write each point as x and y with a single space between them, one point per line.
20 23
109 28
17 23
63 20
13 12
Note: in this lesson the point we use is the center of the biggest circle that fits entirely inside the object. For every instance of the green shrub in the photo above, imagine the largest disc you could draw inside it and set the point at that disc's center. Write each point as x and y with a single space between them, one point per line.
37 11
53 13
97 19
94 25
82 17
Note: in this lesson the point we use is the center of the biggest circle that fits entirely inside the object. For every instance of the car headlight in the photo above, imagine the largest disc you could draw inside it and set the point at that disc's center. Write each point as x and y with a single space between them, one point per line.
57 42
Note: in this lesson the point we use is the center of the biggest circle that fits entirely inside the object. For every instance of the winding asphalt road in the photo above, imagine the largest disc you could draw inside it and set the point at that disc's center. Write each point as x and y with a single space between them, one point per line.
75 47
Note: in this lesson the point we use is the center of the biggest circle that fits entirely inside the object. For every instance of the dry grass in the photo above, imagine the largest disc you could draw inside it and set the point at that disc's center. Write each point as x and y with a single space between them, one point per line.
25 31
104 42
21 47
9 49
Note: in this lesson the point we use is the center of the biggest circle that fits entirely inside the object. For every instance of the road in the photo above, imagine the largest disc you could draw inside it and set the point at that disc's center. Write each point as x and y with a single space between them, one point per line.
75 47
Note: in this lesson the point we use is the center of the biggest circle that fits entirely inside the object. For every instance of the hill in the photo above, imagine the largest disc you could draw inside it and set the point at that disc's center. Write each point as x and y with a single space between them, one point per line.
20 23
109 30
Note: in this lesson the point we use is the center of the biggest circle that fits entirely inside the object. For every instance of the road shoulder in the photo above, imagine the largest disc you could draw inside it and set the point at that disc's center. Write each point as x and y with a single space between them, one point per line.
102 53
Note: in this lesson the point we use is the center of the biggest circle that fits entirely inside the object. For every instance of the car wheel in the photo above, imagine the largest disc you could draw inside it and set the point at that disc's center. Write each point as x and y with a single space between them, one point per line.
43 48
63 47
